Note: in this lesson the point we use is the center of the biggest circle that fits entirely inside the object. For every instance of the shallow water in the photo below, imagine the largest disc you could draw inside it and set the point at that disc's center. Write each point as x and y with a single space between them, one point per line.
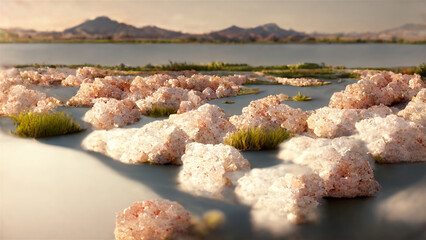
350 55
52 189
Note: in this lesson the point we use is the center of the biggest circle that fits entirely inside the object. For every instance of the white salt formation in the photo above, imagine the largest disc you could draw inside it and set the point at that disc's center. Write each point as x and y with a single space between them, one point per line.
335 122
393 139
378 88
156 219
44 76
281 192
159 142
342 163
269 112
301 82
416 109
18 98
83 75
206 168
108 113
207 124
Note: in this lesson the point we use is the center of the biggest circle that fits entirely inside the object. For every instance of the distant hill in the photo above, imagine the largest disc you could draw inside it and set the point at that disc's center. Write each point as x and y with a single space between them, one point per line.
104 28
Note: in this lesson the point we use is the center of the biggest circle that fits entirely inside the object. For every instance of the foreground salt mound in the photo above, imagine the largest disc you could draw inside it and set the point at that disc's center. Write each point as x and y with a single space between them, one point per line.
378 88
206 168
269 112
108 113
156 219
281 192
18 98
334 122
393 139
342 163
159 142
206 124
301 82
416 109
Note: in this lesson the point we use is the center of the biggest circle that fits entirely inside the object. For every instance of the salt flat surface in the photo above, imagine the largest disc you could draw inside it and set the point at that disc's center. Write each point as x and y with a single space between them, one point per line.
53 189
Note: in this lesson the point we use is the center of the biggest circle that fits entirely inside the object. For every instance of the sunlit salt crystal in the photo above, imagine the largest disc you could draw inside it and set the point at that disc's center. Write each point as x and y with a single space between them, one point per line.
159 142
88 92
108 113
393 139
416 109
301 82
90 72
379 88
334 122
44 76
19 99
206 124
269 112
142 87
156 219
209 94
205 168
342 163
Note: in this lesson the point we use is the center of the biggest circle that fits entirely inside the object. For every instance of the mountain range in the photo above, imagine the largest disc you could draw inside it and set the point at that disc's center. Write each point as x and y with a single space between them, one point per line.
102 28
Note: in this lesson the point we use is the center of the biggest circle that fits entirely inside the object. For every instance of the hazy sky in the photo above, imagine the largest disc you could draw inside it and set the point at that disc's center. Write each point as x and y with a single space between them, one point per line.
199 16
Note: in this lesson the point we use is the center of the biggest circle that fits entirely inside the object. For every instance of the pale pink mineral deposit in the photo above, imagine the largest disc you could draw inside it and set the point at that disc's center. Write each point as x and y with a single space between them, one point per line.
416 109
151 220
101 87
301 82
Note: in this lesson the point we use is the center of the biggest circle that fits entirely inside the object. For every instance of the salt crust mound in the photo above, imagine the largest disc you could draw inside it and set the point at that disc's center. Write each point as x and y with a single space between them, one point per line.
18 98
108 113
378 88
342 163
207 124
284 191
156 219
159 142
44 76
416 109
393 139
269 112
301 82
206 168
83 75
334 122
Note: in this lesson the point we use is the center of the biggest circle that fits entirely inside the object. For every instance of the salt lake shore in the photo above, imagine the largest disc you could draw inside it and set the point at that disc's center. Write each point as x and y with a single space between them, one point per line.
331 152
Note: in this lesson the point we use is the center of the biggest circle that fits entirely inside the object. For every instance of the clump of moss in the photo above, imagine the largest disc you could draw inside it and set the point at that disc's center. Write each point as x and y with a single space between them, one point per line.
257 138
301 98
210 221
161 111
247 91
39 125
228 102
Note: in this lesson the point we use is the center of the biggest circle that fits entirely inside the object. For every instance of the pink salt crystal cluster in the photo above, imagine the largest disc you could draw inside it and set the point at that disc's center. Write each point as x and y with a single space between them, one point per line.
206 168
286 191
335 122
154 220
342 163
301 82
378 88
83 75
18 98
44 76
269 112
107 113
415 110
207 124
393 139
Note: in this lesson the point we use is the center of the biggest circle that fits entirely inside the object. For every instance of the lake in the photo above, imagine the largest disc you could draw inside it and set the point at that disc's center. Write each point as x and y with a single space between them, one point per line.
349 55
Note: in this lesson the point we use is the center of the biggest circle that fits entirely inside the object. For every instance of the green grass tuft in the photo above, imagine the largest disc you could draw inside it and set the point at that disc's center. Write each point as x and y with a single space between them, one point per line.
39 125
228 102
161 111
247 91
301 98
257 138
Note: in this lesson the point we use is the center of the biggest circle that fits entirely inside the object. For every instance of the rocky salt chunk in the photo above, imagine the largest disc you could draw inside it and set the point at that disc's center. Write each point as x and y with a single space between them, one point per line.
415 110
301 82
44 76
343 164
281 192
269 112
18 98
378 88
334 122
393 139
156 219
108 113
207 124
159 142
206 168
